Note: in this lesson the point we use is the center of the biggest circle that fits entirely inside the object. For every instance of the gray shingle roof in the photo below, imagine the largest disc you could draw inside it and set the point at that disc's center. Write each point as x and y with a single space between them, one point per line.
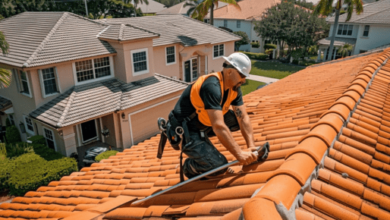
373 13
338 41
122 32
39 38
177 29
96 99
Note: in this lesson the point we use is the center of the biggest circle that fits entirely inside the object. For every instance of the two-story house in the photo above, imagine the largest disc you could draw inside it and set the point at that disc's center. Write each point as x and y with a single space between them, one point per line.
77 81
367 31
244 20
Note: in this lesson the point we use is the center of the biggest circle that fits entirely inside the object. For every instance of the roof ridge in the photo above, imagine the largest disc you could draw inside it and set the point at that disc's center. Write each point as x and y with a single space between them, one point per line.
137 27
231 33
172 79
121 30
67 107
42 44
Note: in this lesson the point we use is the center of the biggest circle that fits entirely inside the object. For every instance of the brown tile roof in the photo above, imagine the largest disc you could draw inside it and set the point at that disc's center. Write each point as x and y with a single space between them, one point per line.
300 116
177 29
39 38
96 99
122 32
250 10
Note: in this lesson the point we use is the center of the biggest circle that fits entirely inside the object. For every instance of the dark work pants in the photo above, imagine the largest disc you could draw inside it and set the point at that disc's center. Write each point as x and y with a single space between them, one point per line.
202 155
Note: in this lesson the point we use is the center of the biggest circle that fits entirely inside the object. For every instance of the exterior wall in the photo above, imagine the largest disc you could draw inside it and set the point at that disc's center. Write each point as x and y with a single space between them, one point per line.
124 64
161 65
354 31
247 27
378 35
143 119
65 144
108 122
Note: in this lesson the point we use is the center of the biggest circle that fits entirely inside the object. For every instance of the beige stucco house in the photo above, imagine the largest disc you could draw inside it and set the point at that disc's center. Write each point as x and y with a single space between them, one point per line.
77 81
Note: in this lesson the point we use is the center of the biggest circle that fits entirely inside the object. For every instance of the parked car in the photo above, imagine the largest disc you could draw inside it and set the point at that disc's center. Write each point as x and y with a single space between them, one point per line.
91 153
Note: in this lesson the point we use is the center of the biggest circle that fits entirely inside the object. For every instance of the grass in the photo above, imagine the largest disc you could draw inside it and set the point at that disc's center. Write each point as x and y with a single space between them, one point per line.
250 86
273 69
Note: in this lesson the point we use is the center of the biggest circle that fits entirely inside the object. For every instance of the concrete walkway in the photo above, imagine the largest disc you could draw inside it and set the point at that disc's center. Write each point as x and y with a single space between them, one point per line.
262 79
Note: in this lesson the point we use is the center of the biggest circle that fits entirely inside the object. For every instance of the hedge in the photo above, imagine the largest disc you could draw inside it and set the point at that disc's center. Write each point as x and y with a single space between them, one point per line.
105 155
269 46
29 171
12 134
255 44
37 139
17 149
256 56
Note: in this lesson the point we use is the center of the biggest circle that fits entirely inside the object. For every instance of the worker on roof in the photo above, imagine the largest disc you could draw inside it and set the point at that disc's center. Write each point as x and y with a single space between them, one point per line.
204 106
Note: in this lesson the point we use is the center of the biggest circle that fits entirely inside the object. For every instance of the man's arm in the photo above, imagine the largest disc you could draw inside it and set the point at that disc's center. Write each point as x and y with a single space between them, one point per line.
226 138
245 125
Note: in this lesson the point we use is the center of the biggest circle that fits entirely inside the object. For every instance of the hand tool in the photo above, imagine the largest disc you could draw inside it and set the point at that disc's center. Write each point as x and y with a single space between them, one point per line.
261 153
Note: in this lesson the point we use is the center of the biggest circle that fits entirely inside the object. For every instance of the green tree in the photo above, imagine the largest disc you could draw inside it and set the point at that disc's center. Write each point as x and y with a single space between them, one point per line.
203 8
136 2
5 74
244 39
192 6
345 50
169 3
325 7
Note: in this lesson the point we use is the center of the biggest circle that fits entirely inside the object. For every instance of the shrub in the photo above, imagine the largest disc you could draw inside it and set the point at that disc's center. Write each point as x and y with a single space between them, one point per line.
38 139
17 149
105 155
12 134
46 153
255 44
269 51
3 149
256 56
269 46
30 171
295 62
7 122
4 172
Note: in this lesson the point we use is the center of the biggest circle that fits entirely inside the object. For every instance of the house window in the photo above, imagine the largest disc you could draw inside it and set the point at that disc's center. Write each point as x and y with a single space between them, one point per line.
225 23
171 59
48 79
49 136
99 68
11 119
238 24
140 61
366 30
219 50
24 85
345 29
29 125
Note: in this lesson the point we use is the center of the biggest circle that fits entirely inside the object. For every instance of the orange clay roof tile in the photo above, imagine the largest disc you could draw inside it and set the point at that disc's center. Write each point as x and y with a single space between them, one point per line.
299 116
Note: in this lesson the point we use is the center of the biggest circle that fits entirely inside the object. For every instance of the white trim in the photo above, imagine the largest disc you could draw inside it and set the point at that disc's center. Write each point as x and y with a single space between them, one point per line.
112 75
101 129
78 135
43 84
146 108
184 72
52 133
166 55
94 138
147 61
219 56
26 127
21 82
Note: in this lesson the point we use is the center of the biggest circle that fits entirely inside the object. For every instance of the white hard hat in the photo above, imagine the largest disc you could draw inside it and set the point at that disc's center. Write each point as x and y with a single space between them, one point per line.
241 62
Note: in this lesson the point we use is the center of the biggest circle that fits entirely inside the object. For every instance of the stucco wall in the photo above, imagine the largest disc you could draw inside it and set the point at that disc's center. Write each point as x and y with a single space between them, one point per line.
354 31
379 35
161 66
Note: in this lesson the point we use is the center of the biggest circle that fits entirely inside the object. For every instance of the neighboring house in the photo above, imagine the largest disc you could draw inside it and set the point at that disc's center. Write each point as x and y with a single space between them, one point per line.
369 30
77 81
150 9
179 9
244 20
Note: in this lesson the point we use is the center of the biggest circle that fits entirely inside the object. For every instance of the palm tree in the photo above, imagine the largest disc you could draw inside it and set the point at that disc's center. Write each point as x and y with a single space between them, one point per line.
325 7
345 50
202 9
5 75
136 2
192 4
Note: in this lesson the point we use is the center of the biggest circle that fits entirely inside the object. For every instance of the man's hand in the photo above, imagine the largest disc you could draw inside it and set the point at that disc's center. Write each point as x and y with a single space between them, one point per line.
246 157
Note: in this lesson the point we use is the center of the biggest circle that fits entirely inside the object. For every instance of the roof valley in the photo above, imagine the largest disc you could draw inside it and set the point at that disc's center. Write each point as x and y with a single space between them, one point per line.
67 108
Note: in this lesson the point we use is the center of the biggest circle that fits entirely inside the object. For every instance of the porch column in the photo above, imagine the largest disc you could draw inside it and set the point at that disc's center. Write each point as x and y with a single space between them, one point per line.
319 55
325 54
334 54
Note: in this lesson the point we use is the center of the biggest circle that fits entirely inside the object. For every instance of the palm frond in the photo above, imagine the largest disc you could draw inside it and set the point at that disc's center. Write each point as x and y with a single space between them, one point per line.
5 78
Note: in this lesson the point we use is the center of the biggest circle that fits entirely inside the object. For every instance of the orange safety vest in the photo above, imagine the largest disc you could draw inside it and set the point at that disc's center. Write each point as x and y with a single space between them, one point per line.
197 102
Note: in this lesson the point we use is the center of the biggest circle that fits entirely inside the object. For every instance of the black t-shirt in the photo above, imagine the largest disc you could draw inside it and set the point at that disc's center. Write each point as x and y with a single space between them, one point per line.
211 95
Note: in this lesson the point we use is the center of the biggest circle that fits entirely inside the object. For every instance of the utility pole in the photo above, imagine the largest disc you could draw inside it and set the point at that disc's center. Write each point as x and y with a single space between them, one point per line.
86 8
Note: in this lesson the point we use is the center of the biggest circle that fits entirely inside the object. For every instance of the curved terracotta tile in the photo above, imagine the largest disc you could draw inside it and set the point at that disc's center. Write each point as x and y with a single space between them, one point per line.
129 213
260 209
364 77
350 151
236 192
364 125
374 212
358 145
324 132
347 101
359 137
302 214
331 119
366 72
352 94
329 208
349 161
341 182
306 146
368 115
341 168
362 131
357 88
215 208
360 82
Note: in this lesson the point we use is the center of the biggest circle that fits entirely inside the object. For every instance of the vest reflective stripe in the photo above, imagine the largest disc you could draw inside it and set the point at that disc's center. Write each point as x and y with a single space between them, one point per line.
197 102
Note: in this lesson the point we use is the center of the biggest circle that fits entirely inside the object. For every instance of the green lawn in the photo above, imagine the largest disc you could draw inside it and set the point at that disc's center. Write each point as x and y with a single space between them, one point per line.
250 86
273 69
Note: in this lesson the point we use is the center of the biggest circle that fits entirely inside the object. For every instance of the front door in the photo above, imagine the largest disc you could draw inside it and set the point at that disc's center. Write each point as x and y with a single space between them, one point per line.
88 130
191 70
